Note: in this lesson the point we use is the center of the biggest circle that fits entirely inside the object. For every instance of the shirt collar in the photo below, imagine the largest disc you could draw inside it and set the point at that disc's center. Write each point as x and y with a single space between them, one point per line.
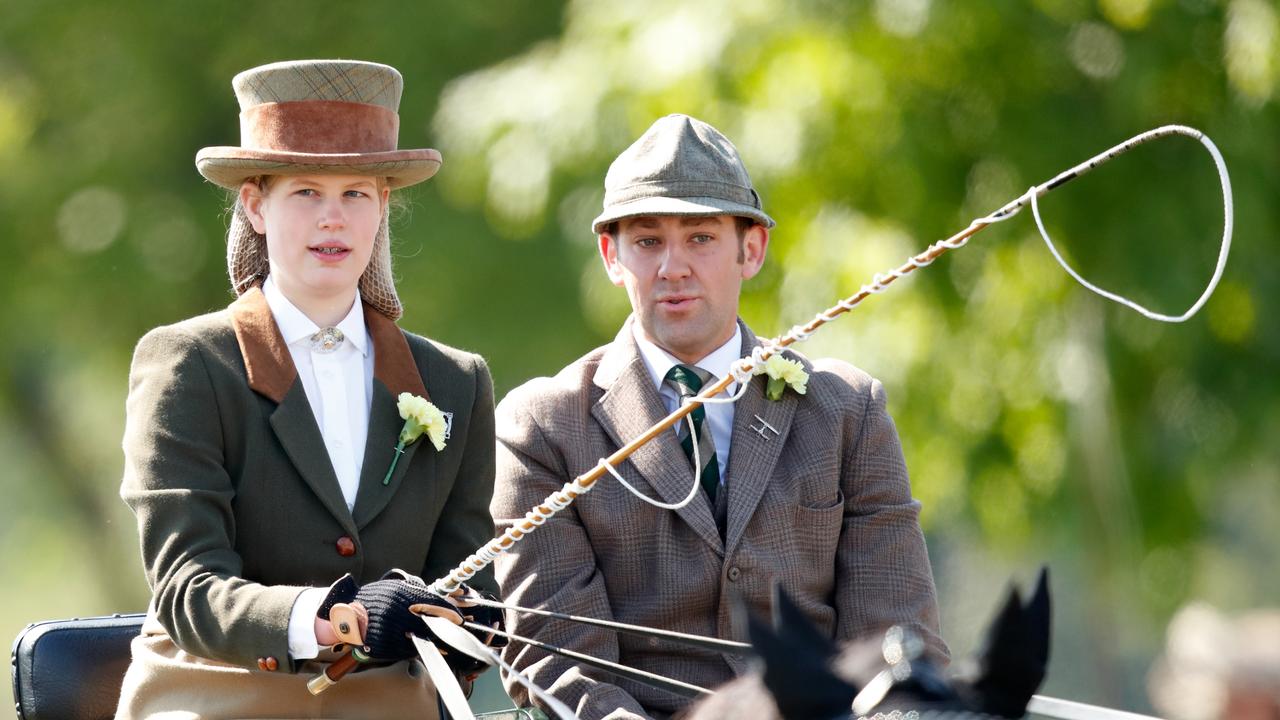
295 326
658 361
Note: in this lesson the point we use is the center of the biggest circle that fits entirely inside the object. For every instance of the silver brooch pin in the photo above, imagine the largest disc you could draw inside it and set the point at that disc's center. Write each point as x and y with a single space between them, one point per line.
448 424
765 428
327 340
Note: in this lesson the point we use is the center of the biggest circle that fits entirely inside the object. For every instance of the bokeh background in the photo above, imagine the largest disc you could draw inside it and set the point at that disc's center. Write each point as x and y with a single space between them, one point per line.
1041 424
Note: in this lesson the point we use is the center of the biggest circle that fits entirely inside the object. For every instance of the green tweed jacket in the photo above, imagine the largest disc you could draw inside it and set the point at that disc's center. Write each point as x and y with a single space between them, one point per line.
237 504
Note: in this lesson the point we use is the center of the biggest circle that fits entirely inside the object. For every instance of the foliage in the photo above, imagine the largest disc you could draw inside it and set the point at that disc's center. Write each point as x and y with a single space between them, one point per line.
1038 421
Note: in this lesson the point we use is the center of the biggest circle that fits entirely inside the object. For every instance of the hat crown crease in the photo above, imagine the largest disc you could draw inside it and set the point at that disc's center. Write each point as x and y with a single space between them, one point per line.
679 166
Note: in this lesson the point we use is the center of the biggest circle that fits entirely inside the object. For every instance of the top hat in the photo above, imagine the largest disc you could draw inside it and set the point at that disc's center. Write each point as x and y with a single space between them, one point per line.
332 117
680 166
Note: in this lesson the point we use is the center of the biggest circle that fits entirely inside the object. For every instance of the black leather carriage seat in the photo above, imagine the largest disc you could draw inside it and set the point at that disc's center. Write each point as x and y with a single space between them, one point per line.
72 669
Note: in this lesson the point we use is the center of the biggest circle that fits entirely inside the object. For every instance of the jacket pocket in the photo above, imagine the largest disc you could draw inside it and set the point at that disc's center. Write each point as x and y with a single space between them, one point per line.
816 532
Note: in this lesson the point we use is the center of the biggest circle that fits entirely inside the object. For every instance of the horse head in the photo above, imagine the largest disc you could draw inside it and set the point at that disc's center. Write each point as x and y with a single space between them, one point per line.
885 677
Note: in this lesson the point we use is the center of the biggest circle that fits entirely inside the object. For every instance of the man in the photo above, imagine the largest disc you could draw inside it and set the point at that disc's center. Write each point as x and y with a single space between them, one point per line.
807 491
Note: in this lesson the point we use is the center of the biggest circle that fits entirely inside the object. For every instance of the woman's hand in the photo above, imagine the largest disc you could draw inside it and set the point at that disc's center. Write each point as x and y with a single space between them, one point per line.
387 613
328 632
467 667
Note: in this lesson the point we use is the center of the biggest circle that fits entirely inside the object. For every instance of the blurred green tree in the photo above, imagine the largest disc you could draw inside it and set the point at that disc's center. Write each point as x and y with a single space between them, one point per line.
1039 422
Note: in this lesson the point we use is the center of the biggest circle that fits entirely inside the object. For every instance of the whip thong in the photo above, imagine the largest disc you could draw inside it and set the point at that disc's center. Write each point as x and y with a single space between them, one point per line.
741 371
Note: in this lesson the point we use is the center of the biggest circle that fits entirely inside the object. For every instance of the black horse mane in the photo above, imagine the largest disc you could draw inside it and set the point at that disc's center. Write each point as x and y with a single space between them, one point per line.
806 677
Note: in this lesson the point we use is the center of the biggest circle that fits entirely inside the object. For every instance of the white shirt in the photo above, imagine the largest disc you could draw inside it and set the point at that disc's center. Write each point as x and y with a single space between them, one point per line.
339 387
339 384
720 415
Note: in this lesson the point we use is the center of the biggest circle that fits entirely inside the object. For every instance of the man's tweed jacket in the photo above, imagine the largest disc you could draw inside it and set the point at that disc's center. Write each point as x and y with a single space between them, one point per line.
822 508
237 503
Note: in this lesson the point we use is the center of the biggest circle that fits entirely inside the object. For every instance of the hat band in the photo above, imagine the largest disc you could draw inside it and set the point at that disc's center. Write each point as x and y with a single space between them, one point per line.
319 126
731 192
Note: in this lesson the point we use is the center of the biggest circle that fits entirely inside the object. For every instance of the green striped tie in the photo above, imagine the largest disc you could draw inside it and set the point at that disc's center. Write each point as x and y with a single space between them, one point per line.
688 381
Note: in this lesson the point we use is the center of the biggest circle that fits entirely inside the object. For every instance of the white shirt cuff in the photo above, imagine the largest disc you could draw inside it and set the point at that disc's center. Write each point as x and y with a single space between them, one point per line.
302 624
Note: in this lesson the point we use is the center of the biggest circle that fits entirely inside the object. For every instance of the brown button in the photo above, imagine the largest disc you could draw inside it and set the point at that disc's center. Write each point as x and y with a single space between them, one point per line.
734 574
346 546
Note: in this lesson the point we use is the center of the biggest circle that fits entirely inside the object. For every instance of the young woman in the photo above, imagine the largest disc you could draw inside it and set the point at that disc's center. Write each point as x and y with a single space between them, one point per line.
262 441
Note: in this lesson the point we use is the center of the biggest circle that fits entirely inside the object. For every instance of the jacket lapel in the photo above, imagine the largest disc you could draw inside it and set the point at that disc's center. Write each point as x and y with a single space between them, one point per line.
629 407
753 455
271 373
295 426
394 372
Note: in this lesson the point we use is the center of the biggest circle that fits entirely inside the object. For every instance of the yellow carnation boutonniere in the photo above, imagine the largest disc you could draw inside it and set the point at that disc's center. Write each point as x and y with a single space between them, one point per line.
782 372
420 417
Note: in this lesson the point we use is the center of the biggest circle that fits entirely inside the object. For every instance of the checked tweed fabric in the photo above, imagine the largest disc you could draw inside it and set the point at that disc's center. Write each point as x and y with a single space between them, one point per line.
688 381
824 509
292 81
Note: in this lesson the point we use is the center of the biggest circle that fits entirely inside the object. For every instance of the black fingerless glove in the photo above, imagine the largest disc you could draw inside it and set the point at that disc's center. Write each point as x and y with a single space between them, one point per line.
487 616
342 591
387 601
464 665
390 622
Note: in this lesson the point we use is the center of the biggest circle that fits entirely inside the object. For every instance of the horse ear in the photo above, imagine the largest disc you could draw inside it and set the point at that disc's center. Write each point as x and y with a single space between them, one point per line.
1012 662
790 621
1038 618
797 664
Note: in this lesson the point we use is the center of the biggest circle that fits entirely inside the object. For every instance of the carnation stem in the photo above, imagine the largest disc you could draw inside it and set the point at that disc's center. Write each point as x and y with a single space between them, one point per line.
394 459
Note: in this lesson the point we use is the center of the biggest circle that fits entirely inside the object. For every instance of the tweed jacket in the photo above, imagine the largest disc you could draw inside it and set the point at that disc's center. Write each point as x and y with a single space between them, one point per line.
237 504
822 507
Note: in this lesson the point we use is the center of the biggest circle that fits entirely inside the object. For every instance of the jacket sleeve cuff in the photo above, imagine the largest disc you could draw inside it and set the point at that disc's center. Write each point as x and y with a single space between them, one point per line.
302 624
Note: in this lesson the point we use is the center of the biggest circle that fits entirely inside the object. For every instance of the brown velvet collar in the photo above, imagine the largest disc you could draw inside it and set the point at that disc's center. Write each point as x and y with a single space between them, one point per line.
270 367
392 360
266 357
